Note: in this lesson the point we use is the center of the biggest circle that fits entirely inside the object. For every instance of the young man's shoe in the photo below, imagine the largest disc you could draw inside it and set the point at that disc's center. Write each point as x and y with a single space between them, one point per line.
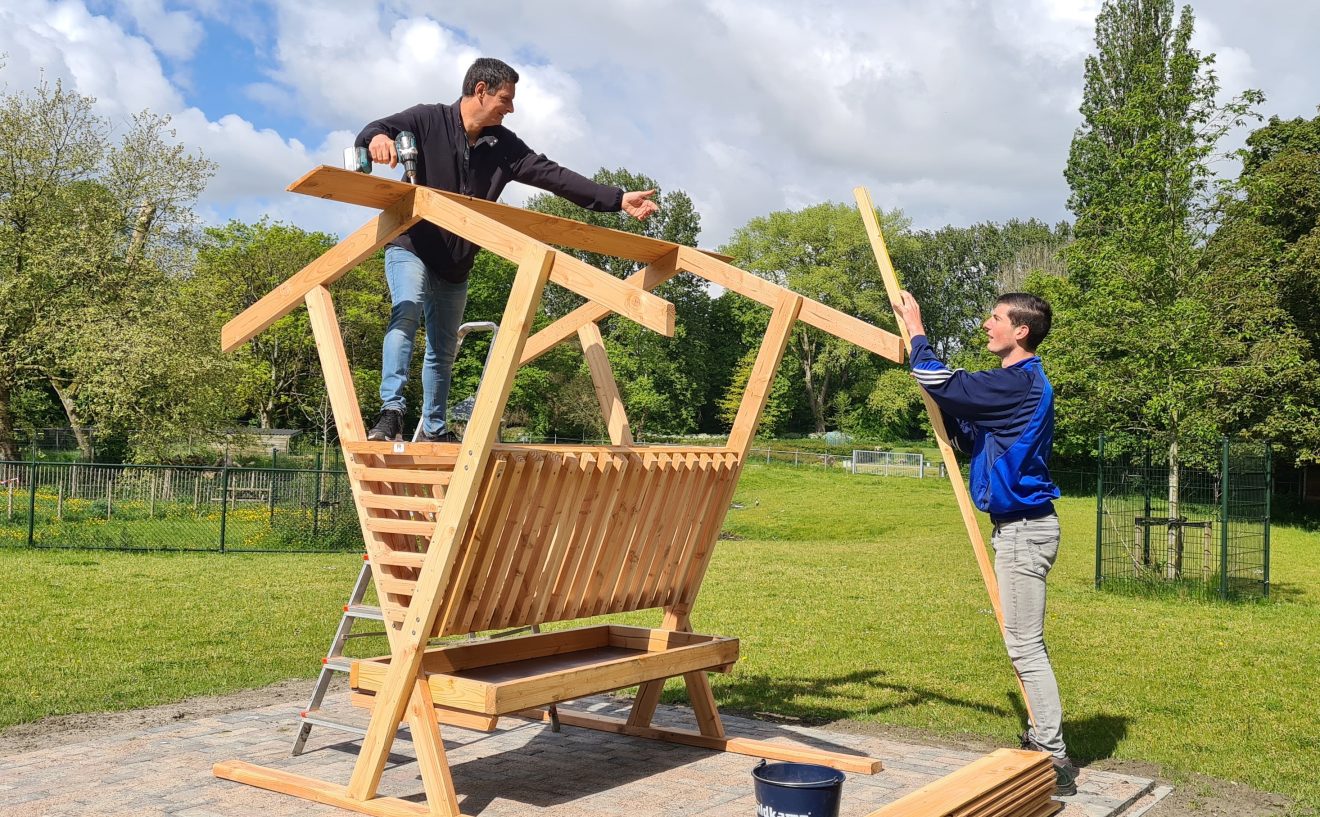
445 436
1065 772
388 427
1065 777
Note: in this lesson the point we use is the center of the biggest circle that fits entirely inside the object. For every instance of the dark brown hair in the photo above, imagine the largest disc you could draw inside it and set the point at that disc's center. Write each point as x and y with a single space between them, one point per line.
1025 309
491 71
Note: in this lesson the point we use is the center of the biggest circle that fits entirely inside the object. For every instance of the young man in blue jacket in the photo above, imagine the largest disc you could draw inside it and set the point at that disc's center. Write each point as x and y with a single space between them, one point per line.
1004 419
462 148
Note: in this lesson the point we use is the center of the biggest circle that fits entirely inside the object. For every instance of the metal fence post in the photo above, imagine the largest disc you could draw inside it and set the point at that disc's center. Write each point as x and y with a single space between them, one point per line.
224 501
1223 522
270 496
316 503
1099 510
32 493
1269 487
1145 527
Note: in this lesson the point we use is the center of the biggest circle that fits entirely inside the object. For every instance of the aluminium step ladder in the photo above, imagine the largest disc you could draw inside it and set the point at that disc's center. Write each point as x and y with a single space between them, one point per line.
335 661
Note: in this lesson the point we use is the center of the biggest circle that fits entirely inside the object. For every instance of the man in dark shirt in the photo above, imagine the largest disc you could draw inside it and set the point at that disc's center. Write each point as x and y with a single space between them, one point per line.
462 148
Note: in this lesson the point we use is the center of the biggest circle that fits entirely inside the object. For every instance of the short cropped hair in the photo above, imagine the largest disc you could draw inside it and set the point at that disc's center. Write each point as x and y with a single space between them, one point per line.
1025 309
491 71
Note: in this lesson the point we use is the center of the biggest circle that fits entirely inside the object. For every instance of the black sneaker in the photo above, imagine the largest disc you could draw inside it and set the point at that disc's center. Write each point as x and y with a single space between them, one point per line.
445 436
389 426
1065 777
1065 772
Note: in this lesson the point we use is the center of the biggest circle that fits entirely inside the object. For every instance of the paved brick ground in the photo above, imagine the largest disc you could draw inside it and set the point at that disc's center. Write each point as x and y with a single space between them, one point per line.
521 769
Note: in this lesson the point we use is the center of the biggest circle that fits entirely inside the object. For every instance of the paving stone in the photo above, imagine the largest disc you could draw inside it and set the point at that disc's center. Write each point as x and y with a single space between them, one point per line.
521 768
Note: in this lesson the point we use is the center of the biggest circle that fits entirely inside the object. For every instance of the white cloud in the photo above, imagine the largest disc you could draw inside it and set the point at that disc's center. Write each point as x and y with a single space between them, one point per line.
175 34
954 110
90 52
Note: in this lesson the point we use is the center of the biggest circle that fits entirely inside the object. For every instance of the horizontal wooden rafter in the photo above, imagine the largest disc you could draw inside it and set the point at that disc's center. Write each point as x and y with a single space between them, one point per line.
337 184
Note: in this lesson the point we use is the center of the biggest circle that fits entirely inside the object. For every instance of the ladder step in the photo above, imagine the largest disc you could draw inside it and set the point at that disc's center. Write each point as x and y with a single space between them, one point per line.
307 717
363 611
401 587
338 663
405 526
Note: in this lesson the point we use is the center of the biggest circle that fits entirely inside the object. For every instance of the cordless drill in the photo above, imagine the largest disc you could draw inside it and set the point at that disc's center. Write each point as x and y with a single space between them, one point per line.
405 147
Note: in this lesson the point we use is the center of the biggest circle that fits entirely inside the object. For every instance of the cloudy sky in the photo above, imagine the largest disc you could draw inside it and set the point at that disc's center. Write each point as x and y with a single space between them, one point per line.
956 111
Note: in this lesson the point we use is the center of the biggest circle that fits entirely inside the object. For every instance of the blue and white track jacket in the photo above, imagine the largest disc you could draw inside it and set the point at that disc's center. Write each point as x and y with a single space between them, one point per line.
1005 419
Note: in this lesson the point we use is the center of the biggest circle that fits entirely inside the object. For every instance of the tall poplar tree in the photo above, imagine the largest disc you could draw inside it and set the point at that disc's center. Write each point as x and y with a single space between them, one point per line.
1141 336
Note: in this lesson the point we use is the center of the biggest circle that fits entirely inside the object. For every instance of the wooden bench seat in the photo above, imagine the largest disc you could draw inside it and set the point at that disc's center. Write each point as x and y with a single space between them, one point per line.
509 675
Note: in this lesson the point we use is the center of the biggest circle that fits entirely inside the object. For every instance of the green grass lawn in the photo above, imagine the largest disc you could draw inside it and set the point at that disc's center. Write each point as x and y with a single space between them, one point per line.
854 597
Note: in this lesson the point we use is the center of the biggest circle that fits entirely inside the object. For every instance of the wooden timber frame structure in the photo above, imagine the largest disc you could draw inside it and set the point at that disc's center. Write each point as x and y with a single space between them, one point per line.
482 535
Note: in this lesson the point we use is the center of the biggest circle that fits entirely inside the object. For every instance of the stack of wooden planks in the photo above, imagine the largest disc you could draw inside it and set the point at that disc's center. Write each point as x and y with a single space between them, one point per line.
1004 783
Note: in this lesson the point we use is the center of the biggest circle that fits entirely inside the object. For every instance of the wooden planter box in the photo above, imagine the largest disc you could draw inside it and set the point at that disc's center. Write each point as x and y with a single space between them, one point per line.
508 675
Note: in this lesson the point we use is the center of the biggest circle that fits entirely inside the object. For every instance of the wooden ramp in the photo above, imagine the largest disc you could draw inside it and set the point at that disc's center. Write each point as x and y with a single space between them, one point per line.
482 536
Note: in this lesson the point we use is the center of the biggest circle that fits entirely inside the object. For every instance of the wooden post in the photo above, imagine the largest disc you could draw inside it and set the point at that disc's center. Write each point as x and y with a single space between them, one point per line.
59 501
607 388
151 511
474 455
109 496
960 491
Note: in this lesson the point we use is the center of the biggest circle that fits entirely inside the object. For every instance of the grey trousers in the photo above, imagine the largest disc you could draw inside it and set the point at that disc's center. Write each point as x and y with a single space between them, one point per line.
1024 553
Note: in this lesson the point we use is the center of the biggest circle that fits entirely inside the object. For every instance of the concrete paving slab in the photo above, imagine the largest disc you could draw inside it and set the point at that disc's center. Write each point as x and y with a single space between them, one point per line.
520 769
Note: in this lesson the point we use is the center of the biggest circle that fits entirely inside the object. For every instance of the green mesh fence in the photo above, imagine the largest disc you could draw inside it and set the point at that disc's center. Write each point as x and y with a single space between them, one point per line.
155 507
1193 531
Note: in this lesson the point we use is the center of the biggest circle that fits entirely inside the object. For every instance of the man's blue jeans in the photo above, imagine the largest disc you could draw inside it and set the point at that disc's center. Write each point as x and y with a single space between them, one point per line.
418 295
1024 553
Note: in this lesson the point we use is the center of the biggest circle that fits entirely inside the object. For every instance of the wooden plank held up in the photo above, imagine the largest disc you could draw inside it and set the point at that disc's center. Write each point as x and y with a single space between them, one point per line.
947 454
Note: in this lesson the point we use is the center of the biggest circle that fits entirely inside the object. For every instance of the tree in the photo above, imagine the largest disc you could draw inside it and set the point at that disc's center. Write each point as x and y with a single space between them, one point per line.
778 405
1268 245
277 379
956 273
1148 342
668 385
823 253
94 228
239 263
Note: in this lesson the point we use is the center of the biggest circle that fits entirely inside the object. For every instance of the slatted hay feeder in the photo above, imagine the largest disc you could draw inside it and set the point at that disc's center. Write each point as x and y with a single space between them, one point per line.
483 535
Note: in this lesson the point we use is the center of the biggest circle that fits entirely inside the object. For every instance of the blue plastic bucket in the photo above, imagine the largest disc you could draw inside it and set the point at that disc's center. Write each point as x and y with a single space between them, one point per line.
797 790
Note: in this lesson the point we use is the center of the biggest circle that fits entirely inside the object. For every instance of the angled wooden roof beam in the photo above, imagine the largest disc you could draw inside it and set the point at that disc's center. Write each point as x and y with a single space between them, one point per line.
325 270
